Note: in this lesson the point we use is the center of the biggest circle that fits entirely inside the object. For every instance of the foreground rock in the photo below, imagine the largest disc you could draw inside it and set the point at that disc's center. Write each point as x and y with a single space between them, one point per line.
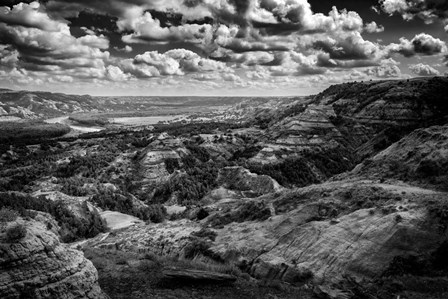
198 276
39 266
330 230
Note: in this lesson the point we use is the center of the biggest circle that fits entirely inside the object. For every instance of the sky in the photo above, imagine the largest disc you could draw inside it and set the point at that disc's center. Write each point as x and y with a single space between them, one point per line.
217 47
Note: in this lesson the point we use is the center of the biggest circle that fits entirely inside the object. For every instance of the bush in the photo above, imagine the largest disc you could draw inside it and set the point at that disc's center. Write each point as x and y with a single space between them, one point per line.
157 213
248 211
72 227
199 247
205 233
7 215
16 232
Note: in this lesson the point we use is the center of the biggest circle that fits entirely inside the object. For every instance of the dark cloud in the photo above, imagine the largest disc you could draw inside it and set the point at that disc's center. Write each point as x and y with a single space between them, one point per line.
428 10
28 15
324 60
192 3
421 44
94 20
352 47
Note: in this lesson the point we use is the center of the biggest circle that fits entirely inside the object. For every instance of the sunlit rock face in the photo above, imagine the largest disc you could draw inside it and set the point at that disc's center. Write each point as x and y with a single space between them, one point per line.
39 266
166 239
152 159
334 229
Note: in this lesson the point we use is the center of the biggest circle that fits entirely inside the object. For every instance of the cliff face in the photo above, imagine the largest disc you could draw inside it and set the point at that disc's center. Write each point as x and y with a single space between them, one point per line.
333 229
421 157
364 117
399 102
39 266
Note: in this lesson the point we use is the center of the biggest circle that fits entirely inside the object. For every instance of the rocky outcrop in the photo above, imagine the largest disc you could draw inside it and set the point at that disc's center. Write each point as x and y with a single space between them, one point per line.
310 128
399 102
39 266
421 157
241 179
330 230
363 117
152 159
169 238
197 276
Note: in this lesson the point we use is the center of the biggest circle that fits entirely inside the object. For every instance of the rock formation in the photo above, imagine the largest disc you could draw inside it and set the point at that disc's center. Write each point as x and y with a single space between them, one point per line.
334 229
39 266
241 179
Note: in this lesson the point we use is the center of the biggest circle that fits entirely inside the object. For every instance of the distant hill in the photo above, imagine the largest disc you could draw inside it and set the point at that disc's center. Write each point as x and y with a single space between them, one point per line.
32 105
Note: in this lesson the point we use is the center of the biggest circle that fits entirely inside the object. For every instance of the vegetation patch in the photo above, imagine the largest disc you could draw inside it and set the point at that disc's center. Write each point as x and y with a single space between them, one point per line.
15 232
72 227
247 211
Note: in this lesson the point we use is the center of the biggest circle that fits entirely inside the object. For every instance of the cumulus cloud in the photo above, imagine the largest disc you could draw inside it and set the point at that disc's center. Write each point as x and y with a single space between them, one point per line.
8 57
173 62
351 46
384 71
427 10
423 44
250 58
114 73
126 49
421 69
29 15
146 28
373 27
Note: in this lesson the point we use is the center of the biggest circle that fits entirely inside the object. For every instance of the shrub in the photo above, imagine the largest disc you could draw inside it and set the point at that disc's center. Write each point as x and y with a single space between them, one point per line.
16 232
202 214
72 227
205 233
248 211
157 213
200 247
7 215
171 164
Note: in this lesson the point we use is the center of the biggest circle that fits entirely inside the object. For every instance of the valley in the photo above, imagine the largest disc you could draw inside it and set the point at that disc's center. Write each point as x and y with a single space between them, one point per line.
343 194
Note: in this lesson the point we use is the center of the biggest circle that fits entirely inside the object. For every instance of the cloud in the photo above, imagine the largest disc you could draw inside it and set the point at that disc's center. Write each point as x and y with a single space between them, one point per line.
246 58
8 57
94 41
348 47
373 27
39 46
126 49
384 71
421 69
174 62
427 10
29 15
423 44
148 29
192 62
114 73
205 44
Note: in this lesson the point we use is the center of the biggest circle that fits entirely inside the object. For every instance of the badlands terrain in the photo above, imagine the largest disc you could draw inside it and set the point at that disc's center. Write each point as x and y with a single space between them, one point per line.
338 195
